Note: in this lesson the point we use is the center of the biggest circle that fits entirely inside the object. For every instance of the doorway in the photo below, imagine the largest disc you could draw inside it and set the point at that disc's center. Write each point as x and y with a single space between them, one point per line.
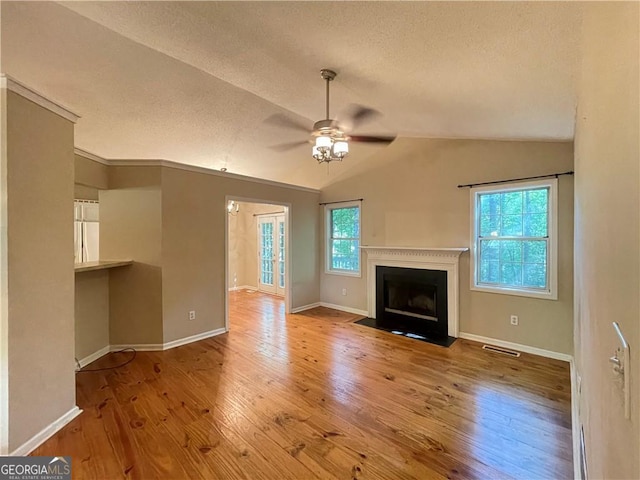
257 254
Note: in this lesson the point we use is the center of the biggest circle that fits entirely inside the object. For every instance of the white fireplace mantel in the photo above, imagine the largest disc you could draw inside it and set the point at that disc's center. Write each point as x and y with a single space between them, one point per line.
446 259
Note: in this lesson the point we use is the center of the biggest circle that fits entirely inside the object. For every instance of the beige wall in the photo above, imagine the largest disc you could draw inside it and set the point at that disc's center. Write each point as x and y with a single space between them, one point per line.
91 288
172 222
411 199
80 192
191 272
90 177
134 177
243 243
40 268
193 246
90 173
131 228
91 312
608 235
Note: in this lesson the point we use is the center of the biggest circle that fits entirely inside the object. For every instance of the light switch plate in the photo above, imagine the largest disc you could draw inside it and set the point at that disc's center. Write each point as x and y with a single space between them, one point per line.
623 355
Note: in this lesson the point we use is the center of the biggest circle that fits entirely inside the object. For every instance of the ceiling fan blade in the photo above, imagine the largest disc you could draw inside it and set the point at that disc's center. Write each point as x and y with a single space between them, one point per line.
280 120
283 147
371 139
357 115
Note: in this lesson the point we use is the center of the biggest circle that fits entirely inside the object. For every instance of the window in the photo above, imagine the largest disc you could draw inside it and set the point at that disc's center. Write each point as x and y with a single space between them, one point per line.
514 244
343 238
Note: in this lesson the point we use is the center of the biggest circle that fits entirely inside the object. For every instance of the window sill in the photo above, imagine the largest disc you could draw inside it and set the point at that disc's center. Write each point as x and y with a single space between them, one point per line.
344 273
543 295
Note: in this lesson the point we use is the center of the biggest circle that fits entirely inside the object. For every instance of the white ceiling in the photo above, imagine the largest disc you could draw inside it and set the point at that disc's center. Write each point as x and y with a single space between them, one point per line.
193 82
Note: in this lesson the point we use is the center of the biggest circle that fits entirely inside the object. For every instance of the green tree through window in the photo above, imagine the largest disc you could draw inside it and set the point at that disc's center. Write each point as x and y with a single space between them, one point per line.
344 239
513 237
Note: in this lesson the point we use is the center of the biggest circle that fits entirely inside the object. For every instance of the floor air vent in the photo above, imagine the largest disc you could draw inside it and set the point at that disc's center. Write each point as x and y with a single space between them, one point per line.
501 350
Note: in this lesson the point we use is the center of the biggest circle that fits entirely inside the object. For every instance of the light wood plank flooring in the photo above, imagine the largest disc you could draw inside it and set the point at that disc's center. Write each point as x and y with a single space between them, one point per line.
314 395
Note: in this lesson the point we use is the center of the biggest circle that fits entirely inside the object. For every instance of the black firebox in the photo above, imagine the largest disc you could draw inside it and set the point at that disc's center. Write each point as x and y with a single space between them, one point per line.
412 302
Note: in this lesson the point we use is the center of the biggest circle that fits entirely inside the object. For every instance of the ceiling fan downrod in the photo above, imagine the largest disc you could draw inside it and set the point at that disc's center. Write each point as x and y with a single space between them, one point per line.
328 76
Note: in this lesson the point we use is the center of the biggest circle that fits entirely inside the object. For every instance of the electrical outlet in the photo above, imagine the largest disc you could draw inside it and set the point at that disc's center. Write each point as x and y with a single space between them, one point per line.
192 315
344 292
514 320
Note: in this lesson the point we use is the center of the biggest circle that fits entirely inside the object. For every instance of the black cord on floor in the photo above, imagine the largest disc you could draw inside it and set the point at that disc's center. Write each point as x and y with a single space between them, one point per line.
116 366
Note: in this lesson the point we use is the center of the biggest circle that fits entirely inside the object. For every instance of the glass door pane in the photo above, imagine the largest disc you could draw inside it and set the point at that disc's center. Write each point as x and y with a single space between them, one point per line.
281 264
266 230
271 246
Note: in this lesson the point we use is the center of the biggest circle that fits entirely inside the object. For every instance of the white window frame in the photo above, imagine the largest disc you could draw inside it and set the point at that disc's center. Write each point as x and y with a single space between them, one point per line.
551 292
328 243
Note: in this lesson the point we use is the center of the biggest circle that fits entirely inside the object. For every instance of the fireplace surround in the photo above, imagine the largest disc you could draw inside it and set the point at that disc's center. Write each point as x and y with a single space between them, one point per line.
436 259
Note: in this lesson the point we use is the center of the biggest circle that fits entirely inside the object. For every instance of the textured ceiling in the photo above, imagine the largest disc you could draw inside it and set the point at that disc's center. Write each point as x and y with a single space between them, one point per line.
193 82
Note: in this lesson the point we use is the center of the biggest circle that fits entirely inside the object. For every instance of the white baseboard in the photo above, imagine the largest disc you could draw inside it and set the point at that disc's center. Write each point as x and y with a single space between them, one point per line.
242 287
575 420
94 356
193 338
330 305
517 346
158 347
355 311
305 307
140 347
43 435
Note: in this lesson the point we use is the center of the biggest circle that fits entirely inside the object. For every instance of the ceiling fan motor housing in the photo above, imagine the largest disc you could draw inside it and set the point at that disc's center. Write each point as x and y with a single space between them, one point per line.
327 74
329 128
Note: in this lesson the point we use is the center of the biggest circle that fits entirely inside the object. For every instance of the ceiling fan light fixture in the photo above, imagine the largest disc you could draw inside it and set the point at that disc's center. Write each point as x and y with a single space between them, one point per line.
328 148
341 148
323 141
233 207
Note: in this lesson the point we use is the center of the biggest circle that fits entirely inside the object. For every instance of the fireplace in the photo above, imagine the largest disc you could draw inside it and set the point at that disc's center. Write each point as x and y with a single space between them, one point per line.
412 300
420 303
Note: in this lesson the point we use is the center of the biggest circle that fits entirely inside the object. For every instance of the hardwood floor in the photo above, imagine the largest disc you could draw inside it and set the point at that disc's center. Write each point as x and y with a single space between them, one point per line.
314 395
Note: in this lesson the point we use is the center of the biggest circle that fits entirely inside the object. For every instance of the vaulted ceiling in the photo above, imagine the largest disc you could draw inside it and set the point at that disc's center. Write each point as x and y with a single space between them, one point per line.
193 82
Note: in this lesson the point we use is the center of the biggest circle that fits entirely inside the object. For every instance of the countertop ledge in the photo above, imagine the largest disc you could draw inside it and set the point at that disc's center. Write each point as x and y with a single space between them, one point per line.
101 265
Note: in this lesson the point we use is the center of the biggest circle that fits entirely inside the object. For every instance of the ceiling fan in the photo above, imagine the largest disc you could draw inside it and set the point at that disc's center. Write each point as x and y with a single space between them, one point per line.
330 138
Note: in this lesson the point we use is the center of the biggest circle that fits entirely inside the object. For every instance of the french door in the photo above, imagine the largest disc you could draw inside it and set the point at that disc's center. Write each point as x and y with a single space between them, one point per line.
271 244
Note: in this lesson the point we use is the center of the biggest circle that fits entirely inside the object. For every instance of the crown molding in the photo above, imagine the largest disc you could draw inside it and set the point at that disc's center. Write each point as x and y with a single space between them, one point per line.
206 171
188 168
91 156
15 86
